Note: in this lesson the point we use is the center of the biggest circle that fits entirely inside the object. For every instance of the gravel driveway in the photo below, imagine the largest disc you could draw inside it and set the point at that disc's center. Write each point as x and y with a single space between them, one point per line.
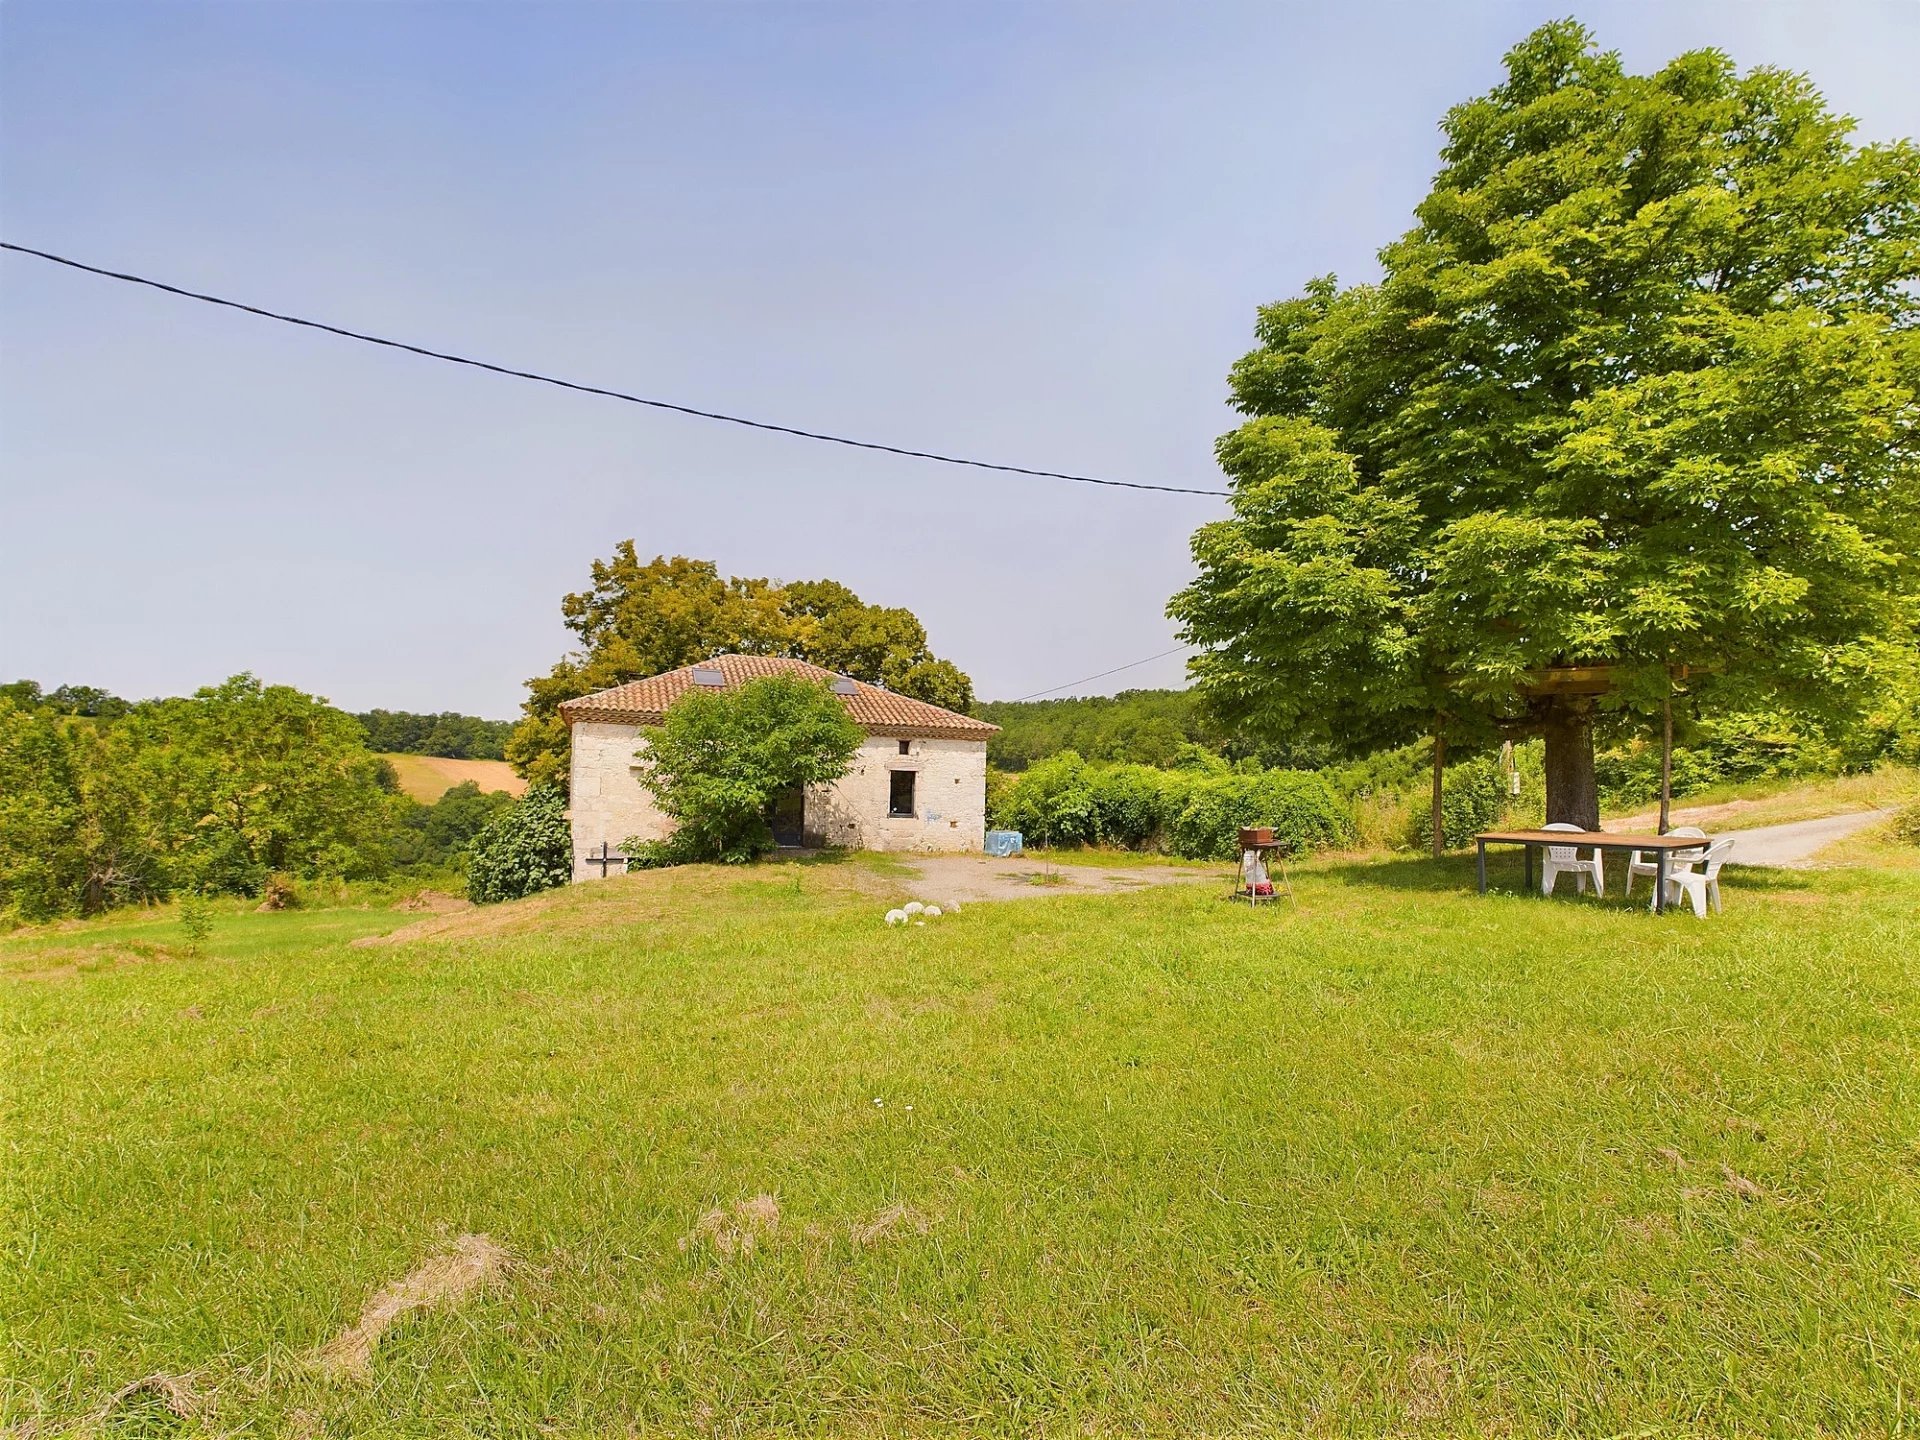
944 879
1793 847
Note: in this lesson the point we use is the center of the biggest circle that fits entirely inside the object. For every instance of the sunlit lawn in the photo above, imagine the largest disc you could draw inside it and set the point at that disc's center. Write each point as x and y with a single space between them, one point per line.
1390 1158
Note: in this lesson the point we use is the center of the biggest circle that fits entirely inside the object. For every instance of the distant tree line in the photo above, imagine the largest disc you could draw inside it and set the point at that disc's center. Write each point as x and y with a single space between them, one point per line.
1139 727
88 700
451 736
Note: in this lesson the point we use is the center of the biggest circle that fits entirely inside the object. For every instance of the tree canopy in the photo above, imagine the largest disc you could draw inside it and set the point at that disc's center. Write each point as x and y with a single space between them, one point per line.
1145 727
213 791
640 618
1636 395
720 758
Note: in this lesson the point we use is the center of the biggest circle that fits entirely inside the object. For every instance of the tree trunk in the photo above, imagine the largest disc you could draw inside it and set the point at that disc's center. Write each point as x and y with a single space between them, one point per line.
1572 794
1666 758
1439 773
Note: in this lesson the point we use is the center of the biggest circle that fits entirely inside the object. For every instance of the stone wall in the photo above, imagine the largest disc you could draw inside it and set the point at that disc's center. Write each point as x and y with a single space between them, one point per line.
606 801
949 802
609 805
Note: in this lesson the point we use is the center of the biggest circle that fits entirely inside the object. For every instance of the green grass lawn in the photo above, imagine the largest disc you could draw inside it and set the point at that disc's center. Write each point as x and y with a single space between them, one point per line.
1392 1158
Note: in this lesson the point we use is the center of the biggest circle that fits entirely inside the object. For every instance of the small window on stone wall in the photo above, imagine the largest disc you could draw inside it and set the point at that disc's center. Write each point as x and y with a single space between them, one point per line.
906 747
900 792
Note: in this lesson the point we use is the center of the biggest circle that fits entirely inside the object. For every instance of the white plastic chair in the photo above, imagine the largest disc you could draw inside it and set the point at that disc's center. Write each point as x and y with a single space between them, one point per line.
1565 859
1702 885
1641 863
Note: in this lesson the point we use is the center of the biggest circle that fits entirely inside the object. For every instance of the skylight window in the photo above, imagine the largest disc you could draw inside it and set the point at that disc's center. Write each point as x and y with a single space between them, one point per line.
707 675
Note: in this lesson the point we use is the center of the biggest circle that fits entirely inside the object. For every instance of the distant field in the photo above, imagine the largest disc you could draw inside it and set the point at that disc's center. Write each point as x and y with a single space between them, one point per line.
715 1152
427 777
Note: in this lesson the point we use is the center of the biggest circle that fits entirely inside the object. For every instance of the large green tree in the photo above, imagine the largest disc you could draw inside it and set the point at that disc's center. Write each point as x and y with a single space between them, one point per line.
1635 399
639 618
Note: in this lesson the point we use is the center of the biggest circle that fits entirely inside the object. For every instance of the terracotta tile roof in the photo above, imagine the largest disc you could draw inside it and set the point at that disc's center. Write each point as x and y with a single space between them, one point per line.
879 711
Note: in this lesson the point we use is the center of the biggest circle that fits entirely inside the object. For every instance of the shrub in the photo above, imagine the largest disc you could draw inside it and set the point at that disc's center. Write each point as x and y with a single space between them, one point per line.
524 851
196 918
1126 804
1906 823
1052 803
721 757
1304 809
278 893
1195 811
1473 798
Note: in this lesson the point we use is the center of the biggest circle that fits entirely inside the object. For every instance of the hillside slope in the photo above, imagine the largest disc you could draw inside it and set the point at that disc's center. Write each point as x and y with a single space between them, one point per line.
427 777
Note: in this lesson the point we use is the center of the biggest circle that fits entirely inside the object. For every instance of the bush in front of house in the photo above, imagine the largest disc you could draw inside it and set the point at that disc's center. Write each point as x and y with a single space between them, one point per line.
720 757
524 851
1052 803
1195 813
1127 804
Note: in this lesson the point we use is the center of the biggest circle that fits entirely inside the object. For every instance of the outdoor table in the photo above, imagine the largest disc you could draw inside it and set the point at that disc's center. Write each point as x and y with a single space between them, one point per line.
1662 846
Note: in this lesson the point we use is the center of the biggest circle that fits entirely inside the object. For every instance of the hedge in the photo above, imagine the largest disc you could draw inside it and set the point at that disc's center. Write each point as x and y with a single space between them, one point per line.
1196 813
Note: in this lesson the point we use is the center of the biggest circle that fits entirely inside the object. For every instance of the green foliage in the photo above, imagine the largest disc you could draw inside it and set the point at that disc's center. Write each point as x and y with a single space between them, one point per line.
212 792
1143 727
435 836
721 757
1637 390
453 736
1473 798
641 618
527 849
1195 813
1126 804
86 700
1052 803
1305 811
196 918
42 870
1906 823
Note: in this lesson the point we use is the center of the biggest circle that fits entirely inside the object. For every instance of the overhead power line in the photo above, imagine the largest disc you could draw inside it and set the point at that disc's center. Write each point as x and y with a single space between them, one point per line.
452 359
1089 679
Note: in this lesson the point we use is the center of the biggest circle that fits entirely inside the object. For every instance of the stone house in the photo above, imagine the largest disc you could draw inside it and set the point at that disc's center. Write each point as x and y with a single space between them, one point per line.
918 782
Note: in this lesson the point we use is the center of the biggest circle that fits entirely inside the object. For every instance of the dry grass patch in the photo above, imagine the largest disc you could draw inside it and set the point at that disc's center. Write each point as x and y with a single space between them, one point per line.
72 961
174 1393
735 1231
476 1261
890 1221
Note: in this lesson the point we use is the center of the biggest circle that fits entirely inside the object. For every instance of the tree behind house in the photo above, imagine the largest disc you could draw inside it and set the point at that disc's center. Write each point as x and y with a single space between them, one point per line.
643 618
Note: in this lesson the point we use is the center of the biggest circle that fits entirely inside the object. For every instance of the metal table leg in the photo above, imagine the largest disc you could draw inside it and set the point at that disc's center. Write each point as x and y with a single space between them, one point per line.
1481 863
1660 882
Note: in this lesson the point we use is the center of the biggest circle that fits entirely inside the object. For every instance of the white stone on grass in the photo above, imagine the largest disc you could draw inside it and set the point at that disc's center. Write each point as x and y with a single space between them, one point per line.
913 907
896 917
932 912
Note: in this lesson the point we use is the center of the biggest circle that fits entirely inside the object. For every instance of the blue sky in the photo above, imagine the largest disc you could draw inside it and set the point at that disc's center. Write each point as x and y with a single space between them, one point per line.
1034 233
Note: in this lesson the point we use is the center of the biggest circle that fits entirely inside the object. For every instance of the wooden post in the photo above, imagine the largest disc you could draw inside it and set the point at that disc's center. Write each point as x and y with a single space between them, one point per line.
1439 770
1666 755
